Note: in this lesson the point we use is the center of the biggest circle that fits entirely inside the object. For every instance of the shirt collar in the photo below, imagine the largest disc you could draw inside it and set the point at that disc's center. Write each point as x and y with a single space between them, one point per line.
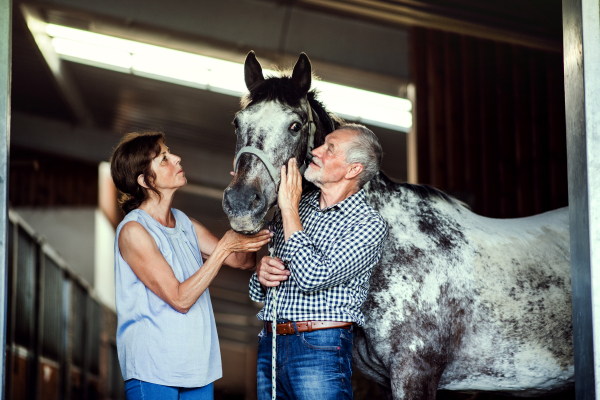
345 206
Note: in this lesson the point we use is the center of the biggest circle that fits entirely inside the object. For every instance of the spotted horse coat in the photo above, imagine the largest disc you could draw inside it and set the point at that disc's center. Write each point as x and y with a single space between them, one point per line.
458 301
463 302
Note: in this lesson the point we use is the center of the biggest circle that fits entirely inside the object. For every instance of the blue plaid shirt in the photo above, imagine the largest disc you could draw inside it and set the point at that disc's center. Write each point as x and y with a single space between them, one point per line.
330 261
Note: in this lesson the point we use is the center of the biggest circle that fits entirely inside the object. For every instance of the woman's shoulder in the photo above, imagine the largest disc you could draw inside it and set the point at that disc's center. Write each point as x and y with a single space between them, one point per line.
133 215
133 224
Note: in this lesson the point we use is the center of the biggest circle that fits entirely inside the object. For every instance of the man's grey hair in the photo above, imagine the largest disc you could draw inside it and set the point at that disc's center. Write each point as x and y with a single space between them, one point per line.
363 149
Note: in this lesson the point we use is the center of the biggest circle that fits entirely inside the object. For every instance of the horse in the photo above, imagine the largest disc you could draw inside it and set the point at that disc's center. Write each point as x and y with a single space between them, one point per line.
458 301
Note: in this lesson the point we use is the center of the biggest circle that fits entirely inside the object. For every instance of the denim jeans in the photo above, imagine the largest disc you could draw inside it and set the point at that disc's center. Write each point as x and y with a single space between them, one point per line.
310 365
140 390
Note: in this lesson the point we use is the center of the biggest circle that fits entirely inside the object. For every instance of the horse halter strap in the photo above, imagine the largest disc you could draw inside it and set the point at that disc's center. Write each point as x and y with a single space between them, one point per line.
275 174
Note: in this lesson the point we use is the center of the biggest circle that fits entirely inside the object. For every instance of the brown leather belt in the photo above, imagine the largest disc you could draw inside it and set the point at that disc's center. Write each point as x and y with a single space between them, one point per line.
307 326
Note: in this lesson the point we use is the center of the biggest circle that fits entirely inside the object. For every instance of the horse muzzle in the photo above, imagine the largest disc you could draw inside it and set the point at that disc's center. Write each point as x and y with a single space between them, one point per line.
246 207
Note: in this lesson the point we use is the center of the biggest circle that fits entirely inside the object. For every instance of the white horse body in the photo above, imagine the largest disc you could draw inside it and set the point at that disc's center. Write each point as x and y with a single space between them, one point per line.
458 301
491 296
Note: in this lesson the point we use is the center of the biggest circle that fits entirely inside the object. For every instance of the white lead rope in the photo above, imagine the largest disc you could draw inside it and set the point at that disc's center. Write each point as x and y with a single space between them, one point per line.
271 248
274 351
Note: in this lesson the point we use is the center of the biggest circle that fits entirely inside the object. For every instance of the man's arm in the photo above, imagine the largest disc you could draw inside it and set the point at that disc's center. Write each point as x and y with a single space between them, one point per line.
358 247
255 290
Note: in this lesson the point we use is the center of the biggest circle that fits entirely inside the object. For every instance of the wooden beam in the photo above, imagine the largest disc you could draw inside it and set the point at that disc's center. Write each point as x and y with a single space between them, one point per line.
408 14
63 78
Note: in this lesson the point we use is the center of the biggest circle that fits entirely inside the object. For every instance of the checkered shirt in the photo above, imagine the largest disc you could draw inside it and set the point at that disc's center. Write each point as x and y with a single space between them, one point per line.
330 261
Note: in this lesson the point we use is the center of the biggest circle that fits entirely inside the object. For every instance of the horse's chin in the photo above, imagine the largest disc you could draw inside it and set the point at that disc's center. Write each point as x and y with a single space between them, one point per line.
252 232
246 228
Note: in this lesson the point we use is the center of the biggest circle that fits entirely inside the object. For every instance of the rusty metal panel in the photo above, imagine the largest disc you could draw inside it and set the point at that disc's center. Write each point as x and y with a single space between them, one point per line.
581 36
5 71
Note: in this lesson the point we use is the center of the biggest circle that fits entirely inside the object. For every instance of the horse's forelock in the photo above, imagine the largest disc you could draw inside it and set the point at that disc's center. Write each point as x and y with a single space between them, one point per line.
282 90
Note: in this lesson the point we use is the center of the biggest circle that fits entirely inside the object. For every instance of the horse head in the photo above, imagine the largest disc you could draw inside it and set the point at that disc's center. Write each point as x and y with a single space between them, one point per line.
280 119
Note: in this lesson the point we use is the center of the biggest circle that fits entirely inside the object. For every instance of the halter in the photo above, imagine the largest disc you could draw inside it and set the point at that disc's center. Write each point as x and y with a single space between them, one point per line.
275 174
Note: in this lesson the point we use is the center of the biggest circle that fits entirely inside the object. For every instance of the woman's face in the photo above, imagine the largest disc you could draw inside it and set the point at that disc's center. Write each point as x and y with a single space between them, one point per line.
167 167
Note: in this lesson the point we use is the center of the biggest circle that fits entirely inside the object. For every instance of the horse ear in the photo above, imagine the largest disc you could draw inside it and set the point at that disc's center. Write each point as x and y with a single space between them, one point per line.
252 71
301 77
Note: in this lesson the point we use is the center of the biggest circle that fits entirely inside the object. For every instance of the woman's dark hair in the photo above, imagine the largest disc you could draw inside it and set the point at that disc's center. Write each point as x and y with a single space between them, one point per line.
133 156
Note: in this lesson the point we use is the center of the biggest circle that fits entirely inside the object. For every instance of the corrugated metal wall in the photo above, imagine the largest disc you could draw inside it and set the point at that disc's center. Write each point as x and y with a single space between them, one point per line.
58 334
490 123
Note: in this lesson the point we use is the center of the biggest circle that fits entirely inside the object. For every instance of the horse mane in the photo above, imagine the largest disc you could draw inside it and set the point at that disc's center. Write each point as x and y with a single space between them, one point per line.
273 88
424 192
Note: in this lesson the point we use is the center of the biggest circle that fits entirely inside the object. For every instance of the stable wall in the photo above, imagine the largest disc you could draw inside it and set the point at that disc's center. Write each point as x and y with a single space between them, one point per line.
490 123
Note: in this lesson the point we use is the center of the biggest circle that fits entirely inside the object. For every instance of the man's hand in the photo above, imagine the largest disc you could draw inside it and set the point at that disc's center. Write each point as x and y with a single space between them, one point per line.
290 192
290 188
271 271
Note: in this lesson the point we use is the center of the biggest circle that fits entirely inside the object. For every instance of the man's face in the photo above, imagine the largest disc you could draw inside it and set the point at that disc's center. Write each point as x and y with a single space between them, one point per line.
329 163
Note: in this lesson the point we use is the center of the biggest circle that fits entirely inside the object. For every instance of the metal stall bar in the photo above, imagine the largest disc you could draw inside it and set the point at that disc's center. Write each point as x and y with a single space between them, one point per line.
581 37
5 70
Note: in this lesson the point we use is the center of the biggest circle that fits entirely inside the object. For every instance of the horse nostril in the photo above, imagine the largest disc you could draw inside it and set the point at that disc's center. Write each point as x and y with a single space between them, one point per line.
243 201
256 201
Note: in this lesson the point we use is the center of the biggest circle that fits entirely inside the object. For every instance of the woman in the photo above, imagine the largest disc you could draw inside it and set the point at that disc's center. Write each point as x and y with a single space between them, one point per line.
166 334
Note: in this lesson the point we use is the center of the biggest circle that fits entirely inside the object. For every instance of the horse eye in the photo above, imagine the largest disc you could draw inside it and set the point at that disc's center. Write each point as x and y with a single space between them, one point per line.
295 127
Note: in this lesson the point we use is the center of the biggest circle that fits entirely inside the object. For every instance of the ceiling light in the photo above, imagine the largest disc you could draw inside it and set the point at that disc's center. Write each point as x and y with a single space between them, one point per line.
216 75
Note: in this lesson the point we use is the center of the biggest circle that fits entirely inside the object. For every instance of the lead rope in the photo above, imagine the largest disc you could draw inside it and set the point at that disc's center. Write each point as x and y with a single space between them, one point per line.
271 248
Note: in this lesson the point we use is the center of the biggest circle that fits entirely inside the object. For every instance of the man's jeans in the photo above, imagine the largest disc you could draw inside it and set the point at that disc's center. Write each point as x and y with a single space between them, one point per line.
310 365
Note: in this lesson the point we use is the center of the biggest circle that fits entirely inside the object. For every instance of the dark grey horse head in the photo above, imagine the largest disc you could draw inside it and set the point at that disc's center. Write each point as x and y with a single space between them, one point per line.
279 118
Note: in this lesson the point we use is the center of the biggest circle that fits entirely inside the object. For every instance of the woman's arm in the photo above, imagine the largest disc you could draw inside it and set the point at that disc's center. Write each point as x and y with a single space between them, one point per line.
207 242
140 251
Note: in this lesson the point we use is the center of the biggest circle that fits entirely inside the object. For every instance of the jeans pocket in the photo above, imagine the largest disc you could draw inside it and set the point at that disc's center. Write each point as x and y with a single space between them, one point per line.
347 335
326 339
262 335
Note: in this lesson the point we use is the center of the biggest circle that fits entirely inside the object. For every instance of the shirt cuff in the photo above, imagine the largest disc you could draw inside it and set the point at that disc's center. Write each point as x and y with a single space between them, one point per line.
256 292
297 241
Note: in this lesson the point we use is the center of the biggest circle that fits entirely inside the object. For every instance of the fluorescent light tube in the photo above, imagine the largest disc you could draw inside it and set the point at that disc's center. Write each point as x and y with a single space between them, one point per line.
216 75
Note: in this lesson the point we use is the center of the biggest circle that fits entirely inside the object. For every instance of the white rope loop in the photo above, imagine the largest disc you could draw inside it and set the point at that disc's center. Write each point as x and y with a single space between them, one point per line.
274 329
274 350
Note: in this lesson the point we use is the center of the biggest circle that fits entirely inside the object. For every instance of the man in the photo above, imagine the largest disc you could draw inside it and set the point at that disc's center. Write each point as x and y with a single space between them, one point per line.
329 240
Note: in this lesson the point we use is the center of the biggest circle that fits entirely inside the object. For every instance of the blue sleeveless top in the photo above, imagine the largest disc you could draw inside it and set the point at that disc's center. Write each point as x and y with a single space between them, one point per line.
155 343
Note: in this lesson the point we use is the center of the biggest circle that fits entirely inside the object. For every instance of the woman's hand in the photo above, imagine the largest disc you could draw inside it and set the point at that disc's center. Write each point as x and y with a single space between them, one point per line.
290 188
234 242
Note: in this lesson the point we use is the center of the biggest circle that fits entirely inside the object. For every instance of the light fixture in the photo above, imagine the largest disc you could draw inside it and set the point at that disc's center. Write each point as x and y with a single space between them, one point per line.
216 75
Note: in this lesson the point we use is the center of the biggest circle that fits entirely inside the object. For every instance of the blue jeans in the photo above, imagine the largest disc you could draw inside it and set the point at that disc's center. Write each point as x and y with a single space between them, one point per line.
310 365
140 390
